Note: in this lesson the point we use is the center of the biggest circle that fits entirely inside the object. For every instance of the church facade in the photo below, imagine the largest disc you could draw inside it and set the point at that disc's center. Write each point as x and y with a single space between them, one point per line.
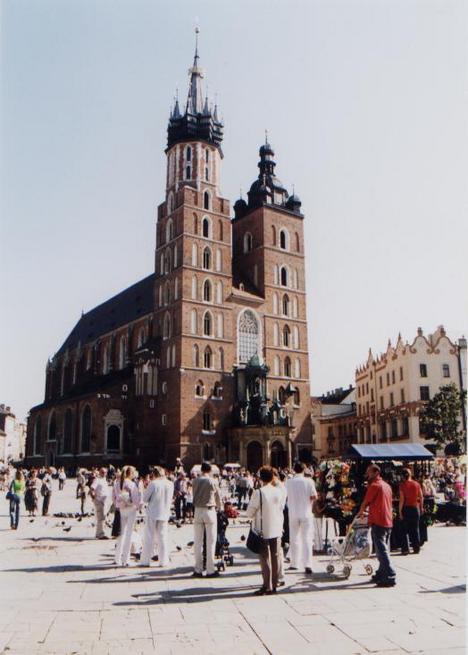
207 357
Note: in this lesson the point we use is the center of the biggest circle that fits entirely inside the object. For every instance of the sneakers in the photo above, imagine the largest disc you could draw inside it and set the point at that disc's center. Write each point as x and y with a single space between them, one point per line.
216 574
308 570
195 574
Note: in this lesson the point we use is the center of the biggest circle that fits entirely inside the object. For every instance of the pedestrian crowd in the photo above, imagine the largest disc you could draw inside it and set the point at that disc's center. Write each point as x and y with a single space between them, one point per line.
285 510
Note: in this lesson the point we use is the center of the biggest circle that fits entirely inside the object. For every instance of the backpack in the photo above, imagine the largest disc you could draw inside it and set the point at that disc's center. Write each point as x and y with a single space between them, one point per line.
44 489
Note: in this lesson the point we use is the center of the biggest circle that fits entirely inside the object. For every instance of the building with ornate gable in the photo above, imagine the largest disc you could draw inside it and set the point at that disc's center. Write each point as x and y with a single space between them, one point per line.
206 358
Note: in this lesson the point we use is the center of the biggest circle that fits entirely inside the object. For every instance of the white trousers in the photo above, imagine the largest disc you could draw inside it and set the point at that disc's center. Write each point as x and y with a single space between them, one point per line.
205 520
155 530
124 540
300 542
318 533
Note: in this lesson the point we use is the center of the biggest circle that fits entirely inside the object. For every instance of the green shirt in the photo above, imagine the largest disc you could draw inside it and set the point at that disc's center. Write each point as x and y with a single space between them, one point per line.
18 487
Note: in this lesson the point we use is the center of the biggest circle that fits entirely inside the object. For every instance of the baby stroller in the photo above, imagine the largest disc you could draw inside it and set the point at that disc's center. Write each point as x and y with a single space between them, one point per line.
357 544
222 551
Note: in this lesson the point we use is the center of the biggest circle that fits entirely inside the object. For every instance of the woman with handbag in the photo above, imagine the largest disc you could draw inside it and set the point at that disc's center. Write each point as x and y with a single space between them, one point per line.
266 511
31 497
127 499
14 495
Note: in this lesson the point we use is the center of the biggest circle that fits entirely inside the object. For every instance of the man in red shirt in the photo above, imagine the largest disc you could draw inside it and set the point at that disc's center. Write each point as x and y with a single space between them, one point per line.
411 507
378 499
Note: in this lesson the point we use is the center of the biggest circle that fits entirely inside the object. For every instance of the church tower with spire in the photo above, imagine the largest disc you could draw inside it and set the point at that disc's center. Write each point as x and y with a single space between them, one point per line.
193 280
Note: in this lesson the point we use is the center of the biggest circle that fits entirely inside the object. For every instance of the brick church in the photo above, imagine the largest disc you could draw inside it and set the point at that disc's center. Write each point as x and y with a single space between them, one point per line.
207 357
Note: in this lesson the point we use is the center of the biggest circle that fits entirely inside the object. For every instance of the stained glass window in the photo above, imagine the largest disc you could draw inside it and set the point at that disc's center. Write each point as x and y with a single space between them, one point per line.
249 336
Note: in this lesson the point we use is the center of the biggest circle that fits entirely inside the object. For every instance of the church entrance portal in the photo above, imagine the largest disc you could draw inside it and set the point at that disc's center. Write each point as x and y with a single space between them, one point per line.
278 455
254 456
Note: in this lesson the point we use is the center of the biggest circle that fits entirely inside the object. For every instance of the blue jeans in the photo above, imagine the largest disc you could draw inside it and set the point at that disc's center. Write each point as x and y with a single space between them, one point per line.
381 538
14 511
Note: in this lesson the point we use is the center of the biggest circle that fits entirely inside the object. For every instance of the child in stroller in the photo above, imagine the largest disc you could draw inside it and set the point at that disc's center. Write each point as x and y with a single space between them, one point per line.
222 551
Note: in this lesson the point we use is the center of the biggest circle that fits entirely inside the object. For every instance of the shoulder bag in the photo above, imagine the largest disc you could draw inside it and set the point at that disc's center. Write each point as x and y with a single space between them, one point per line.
10 493
255 541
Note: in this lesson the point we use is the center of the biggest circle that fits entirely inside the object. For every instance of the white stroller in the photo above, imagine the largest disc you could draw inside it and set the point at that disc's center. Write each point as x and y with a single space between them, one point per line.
357 544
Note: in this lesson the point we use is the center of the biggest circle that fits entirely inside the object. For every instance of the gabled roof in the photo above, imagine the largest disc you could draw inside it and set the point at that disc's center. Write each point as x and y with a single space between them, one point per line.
385 452
127 306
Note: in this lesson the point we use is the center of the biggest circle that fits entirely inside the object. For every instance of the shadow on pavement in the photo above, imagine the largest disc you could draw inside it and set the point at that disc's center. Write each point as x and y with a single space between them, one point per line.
457 589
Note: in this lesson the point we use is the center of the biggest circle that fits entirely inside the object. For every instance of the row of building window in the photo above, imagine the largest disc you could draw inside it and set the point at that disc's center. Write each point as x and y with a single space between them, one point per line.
424 394
391 379
285 276
284 240
285 337
207 324
284 368
65 444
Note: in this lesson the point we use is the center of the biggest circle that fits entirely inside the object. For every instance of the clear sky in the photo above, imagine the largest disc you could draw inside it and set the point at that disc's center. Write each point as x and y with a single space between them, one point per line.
366 105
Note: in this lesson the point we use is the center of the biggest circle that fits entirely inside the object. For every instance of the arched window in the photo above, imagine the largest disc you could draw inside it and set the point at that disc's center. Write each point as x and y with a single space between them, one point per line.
173 355
284 239
104 359
199 389
67 431
167 326
220 326
86 429
273 235
161 264
221 359
277 366
248 242
188 153
218 260
276 274
286 336
295 337
206 200
284 276
208 454
217 390
207 324
195 356
297 397
275 303
175 257
37 436
208 358
219 293
167 260
282 396
168 358
206 227
207 421
188 172
221 230
167 292
194 254
294 307
194 288
297 368
193 321
207 295
170 202
207 259
285 305
287 367
275 334
122 352
113 439
298 247
169 230
195 224
248 336
176 288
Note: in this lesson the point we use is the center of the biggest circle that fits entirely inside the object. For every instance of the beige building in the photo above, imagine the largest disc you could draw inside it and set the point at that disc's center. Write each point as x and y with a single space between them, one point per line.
12 436
334 422
392 388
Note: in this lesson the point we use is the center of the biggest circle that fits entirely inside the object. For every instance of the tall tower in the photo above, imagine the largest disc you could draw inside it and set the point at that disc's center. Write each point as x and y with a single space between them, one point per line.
268 260
193 278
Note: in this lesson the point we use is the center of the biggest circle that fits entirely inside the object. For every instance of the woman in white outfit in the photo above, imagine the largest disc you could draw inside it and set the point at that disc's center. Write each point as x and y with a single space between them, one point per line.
127 499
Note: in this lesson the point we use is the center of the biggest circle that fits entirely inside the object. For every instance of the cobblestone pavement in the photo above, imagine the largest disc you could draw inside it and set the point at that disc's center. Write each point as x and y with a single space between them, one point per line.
61 594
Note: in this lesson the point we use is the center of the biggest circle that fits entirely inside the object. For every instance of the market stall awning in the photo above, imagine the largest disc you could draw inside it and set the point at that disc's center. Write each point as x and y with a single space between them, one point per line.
383 452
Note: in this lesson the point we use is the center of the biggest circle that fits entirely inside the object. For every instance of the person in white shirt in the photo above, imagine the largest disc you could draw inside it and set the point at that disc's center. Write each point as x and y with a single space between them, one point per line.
126 498
266 509
158 494
301 492
99 492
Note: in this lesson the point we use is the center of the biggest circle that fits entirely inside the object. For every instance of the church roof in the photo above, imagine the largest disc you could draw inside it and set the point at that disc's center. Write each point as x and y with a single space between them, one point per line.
127 306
